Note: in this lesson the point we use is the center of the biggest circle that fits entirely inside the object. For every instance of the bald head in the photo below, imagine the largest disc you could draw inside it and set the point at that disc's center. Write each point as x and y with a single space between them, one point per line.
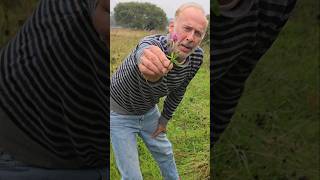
189 5
189 25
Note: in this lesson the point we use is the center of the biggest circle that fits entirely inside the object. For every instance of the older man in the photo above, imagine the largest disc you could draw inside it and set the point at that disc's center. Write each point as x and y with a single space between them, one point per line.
145 76
53 94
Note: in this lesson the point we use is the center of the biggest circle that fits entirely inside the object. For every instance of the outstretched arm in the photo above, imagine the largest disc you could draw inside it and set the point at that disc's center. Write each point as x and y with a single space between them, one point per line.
227 90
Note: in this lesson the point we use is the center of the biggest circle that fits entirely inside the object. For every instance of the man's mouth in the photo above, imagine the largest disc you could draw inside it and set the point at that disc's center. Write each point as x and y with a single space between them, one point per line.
185 48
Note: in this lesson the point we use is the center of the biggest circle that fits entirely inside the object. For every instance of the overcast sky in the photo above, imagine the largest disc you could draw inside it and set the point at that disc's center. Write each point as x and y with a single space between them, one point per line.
169 6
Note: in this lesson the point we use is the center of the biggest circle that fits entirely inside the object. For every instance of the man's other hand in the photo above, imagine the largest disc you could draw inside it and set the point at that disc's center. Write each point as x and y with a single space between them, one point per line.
161 128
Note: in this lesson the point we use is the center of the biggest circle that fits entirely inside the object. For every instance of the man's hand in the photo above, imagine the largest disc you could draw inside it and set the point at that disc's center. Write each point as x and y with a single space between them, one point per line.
154 64
161 128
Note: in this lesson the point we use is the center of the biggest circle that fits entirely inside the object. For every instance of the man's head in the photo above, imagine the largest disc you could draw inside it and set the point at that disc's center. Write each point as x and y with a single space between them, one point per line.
190 25
101 19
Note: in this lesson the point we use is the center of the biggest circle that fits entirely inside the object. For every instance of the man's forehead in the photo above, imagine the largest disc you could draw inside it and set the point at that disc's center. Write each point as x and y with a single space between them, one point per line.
193 9
190 19
193 12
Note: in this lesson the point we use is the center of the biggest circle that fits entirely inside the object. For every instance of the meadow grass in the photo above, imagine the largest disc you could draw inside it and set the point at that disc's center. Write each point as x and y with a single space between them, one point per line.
188 130
17 15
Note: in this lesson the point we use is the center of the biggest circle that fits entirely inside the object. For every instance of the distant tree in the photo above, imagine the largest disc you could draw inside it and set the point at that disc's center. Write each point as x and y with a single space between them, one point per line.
140 16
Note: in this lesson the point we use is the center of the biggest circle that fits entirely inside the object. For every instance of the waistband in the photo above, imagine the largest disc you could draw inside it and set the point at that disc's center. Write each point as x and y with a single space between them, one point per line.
17 144
114 106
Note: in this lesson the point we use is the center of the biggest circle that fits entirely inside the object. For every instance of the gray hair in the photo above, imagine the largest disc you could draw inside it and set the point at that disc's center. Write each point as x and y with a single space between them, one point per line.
188 5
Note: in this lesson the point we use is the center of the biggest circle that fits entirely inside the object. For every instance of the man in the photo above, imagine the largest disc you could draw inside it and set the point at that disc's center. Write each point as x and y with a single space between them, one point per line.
240 36
53 94
145 76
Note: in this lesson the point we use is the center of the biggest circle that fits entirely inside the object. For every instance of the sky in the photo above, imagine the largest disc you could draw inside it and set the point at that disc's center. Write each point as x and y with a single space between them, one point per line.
169 6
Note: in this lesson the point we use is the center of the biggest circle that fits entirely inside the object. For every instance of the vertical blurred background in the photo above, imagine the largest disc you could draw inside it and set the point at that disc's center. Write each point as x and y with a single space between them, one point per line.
275 131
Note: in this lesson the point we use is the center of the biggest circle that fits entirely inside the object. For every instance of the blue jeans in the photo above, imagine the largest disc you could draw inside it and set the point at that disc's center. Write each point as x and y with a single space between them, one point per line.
124 129
11 169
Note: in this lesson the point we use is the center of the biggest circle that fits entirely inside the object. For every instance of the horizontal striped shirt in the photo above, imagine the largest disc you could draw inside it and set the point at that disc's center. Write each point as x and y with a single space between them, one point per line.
237 44
135 95
54 85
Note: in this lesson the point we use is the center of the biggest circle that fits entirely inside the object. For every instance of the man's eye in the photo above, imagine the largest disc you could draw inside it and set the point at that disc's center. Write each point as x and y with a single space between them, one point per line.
187 28
198 34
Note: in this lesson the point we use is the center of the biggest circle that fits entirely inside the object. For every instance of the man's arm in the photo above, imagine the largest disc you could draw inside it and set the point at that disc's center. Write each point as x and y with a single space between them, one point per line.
171 102
174 98
226 92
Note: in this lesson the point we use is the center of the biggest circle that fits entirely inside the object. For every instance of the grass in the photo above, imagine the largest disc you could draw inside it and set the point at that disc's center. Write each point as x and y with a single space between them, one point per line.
275 131
189 128
18 12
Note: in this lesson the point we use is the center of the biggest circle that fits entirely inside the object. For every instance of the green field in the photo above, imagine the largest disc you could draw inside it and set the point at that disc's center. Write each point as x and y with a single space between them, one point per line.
189 128
274 134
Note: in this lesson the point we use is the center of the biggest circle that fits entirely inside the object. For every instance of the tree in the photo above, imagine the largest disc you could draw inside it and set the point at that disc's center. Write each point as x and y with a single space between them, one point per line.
140 16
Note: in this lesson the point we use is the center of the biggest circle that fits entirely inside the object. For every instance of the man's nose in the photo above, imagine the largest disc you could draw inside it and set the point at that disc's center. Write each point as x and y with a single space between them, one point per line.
190 36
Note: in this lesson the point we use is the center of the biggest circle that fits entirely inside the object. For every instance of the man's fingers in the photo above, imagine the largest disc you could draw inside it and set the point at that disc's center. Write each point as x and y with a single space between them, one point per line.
145 70
161 55
156 133
155 60
160 129
155 57
150 65
170 66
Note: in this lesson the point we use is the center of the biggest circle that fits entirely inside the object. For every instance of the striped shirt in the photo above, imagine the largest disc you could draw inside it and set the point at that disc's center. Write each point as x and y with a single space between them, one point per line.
134 95
237 44
54 86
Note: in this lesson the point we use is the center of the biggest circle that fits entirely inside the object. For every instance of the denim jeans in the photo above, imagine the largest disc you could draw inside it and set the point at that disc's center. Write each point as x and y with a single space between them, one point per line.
124 129
11 169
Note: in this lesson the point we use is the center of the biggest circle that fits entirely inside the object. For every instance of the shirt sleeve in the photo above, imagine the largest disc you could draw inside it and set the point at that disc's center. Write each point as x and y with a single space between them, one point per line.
174 98
143 44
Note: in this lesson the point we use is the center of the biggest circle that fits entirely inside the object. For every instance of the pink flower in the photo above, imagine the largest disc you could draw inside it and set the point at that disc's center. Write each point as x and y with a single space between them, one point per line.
173 53
174 37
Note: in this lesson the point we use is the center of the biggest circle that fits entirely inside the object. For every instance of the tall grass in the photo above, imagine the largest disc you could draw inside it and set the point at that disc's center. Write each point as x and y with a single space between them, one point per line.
17 12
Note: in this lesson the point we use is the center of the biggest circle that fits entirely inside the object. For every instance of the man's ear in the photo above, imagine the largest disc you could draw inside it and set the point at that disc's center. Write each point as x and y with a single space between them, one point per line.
171 26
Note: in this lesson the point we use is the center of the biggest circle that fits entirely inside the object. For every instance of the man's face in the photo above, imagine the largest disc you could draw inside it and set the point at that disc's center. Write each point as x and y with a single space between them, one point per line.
101 19
190 26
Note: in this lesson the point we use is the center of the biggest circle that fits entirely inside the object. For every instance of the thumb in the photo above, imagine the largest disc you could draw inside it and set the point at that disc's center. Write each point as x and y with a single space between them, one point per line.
156 132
